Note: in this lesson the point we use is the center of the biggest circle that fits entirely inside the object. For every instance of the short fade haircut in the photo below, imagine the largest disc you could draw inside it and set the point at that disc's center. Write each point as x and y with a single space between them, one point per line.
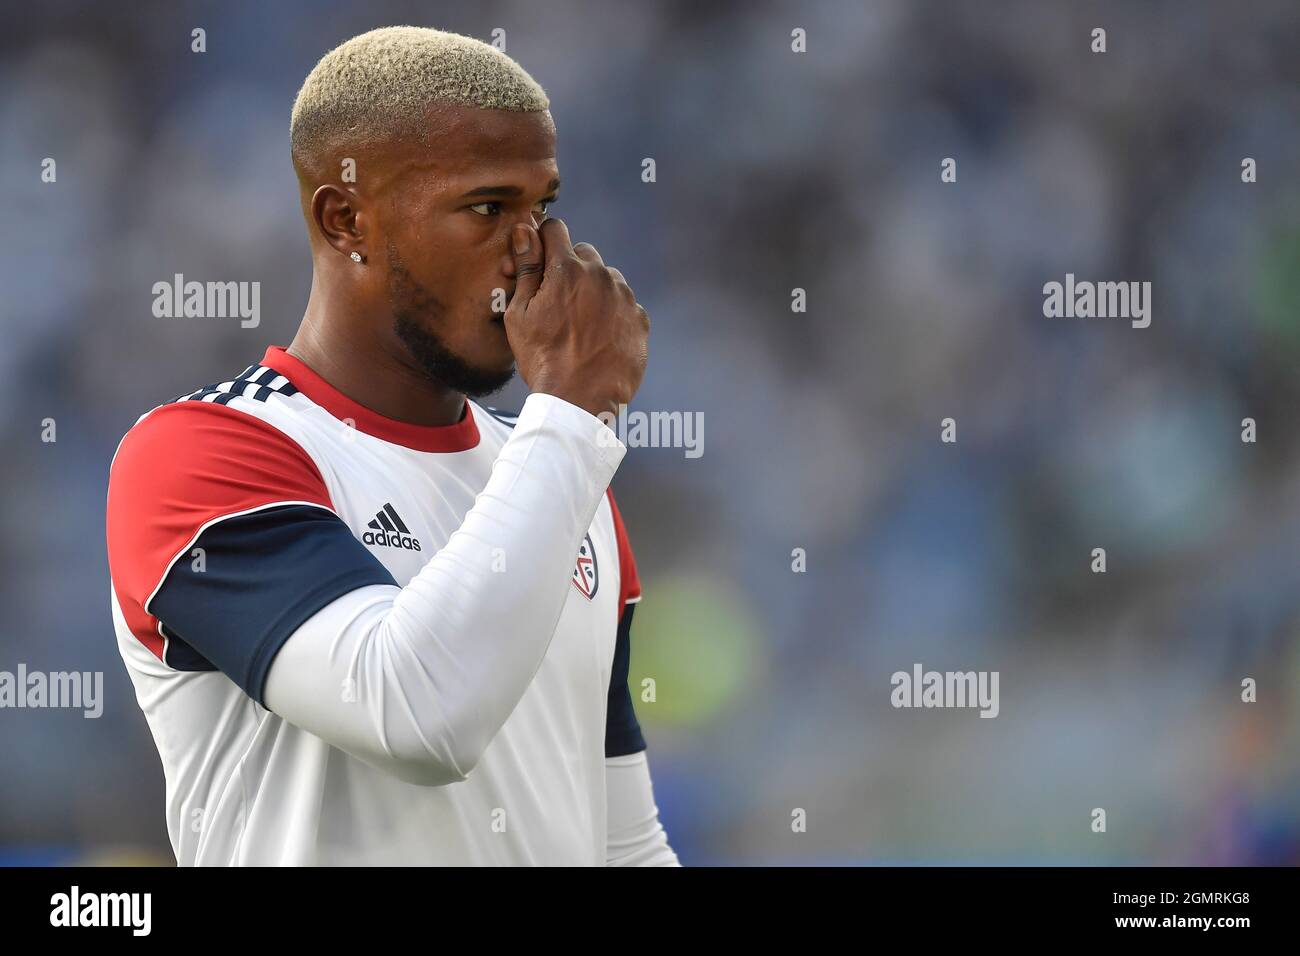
384 82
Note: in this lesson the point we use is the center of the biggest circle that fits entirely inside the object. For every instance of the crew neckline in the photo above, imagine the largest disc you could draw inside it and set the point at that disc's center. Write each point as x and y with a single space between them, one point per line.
461 436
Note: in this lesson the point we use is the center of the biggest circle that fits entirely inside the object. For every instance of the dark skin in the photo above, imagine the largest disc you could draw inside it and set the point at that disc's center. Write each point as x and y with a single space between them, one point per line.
410 330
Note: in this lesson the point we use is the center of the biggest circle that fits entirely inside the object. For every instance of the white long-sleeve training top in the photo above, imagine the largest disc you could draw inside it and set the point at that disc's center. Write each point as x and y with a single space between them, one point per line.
361 641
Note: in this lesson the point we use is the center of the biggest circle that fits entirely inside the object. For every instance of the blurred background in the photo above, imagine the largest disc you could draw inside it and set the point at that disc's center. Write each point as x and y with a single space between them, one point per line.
775 170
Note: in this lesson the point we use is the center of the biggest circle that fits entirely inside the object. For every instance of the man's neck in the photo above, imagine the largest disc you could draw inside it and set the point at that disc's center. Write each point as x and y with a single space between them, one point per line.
362 368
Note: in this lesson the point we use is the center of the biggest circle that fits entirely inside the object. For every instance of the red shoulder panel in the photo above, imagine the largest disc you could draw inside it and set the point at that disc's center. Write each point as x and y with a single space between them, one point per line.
179 468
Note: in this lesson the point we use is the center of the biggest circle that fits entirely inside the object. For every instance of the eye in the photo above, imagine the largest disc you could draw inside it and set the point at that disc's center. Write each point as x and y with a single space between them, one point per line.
494 208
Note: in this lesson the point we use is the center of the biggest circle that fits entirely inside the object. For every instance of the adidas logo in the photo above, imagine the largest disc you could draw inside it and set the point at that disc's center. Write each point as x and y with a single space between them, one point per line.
391 531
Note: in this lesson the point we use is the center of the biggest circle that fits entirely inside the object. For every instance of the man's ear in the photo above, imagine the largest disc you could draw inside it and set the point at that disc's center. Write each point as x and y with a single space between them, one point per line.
339 217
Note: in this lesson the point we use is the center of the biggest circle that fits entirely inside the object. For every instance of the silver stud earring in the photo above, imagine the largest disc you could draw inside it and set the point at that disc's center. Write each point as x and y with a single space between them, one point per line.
356 256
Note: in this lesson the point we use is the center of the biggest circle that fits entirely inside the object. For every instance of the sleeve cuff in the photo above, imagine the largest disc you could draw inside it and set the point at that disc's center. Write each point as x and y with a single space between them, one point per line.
542 409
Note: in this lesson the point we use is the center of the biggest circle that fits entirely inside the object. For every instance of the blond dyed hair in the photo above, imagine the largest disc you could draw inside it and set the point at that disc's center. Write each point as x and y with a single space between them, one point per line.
384 81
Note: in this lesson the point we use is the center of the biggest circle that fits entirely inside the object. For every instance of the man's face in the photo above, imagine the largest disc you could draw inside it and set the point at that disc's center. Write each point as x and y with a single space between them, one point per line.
445 218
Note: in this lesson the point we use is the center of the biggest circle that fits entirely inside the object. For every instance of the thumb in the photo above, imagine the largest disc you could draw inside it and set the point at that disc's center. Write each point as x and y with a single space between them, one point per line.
526 245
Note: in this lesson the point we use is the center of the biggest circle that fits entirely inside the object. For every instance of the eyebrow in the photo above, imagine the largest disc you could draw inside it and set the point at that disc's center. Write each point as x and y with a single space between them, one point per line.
551 187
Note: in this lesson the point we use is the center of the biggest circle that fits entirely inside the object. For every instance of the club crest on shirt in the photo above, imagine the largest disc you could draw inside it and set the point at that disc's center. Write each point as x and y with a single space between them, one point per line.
586 576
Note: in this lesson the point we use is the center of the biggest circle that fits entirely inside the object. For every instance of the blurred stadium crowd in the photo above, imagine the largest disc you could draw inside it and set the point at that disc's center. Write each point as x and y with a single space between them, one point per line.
775 170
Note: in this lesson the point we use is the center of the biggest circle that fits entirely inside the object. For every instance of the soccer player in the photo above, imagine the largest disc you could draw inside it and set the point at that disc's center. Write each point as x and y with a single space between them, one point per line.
369 620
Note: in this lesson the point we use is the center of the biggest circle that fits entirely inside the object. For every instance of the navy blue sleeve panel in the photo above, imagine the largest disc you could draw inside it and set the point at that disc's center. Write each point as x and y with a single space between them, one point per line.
622 731
262 575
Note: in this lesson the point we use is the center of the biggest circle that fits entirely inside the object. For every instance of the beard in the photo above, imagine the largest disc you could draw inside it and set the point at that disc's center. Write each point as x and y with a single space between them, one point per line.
415 310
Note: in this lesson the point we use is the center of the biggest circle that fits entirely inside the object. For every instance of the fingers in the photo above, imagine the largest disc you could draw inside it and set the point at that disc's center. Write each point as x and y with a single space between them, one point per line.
526 246
558 244
627 293
587 253
555 239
